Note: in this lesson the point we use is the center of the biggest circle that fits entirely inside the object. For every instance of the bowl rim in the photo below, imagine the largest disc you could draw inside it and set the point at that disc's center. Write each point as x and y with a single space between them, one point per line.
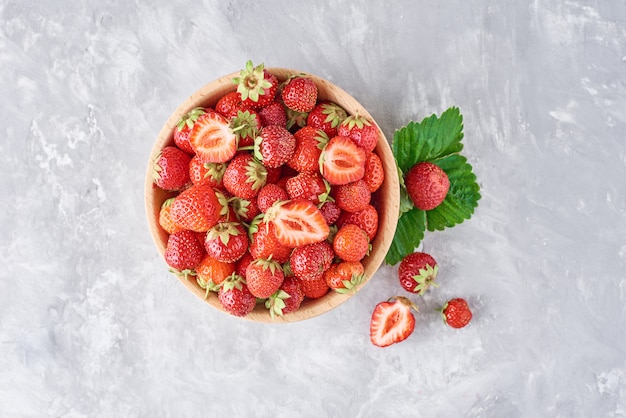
206 96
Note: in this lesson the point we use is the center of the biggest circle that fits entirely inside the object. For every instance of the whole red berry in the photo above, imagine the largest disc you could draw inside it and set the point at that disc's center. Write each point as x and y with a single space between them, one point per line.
427 185
170 170
300 94
183 251
456 313
417 272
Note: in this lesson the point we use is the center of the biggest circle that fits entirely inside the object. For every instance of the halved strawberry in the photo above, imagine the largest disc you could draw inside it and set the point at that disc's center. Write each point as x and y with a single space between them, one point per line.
342 161
392 321
212 138
298 222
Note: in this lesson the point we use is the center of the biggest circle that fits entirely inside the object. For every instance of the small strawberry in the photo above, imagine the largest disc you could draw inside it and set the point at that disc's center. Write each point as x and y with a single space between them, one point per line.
300 94
314 288
170 169
274 146
298 222
270 194
288 298
392 321
229 105
353 197
227 242
235 297
196 208
330 211
427 185
342 161
244 176
309 145
265 244
183 129
417 272
264 277
456 313
308 185
374 172
246 124
165 217
183 251
351 243
326 116
345 277
273 114
212 139
256 87
312 260
359 129
210 273
367 220
206 173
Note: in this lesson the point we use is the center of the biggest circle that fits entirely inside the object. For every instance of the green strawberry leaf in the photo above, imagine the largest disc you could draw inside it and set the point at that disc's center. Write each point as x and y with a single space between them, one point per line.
409 234
437 140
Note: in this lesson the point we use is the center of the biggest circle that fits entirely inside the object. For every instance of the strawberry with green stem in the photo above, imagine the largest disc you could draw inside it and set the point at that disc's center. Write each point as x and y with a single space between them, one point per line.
256 86
264 277
196 208
183 128
417 272
227 241
456 313
244 176
287 299
326 116
235 297
345 277
170 169
360 130
274 146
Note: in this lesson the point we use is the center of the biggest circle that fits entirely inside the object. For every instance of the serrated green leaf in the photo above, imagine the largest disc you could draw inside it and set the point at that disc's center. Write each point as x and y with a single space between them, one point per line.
409 234
431 139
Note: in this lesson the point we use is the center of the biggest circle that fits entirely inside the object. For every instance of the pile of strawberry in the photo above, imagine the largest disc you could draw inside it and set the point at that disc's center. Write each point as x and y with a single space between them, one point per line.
272 194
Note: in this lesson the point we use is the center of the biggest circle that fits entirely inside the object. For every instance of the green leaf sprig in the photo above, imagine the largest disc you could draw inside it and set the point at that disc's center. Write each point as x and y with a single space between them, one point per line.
436 140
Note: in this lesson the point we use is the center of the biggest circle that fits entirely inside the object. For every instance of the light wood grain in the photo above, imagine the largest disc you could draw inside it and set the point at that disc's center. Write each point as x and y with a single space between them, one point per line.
387 198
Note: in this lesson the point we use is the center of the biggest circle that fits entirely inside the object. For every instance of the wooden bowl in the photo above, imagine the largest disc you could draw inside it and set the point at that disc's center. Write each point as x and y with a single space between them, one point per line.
387 198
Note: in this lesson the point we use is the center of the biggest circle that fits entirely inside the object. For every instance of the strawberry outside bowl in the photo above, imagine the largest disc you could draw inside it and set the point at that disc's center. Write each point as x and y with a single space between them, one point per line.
386 199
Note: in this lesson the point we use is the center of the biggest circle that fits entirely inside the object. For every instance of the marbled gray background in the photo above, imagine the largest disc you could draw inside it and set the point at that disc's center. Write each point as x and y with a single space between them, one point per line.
91 322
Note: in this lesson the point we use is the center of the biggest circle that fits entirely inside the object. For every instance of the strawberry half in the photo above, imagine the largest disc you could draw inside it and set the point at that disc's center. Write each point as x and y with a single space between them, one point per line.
392 321
342 161
298 222
212 139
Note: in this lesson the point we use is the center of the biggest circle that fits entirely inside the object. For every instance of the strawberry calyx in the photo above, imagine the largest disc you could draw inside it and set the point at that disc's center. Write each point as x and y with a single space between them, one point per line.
251 82
425 278
245 125
215 171
356 120
351 285
405 301
189 118
256 174
208 285
335 114
276 303
234 281
186 273
295 119
223 231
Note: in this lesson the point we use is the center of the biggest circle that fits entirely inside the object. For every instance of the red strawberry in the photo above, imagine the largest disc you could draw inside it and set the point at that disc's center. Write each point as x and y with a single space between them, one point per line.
273 114
265 244
314 288
274 146
246 210
456 313
363 132
392 321
367 220
331 212
353 197
227 242
270 194
206 173
417 272
165 217
298 222
326 116
264 277
288 298
309 261
244 176
183 251
183 129
374 172
235 297
345 277
308 185
211 273
246 124
351 243
196 208
170 169
274 174
229 104
309 145
427 185
300 94
342 161
212 139
256 87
